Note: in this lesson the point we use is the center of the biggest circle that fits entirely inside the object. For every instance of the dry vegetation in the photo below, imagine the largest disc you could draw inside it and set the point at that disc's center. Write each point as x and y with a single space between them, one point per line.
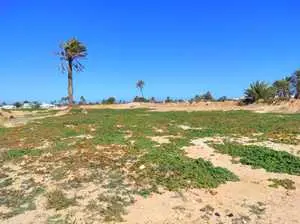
145 166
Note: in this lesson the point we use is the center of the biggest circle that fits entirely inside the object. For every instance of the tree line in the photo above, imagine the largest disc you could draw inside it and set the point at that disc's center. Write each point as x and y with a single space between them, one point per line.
72 51
283 89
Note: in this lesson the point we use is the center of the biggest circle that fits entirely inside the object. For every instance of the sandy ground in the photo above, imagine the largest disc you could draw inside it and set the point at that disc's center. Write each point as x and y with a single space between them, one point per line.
250 200
15 118
292 106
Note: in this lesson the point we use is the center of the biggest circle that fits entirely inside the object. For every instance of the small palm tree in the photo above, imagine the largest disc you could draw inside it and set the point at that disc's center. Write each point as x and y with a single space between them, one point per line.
140 85
69 54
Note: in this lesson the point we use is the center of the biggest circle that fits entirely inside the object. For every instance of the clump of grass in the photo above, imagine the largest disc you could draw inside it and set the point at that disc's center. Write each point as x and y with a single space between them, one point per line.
17 153
6 182
114 207
57 200
58 173
262 157
18 200
285 183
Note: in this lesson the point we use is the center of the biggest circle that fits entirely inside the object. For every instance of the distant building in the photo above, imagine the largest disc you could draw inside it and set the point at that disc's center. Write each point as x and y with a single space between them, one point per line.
27 106
9 107
47 106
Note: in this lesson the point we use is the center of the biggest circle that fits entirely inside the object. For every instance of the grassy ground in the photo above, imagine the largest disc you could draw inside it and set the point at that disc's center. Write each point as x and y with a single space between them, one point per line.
114 150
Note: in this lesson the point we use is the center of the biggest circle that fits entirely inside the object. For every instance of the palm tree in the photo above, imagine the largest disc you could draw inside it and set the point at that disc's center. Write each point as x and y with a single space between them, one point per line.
259 91
282 87
140 85
295 81
70 53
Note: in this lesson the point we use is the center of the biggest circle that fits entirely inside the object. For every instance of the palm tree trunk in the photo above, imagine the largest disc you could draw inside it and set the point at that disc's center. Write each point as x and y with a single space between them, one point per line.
70 83
142 92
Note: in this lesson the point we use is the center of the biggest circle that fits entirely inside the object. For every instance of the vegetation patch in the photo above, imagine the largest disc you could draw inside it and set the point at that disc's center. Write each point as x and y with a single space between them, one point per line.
17 153
18 200
169 167
262 157
56 199
285 183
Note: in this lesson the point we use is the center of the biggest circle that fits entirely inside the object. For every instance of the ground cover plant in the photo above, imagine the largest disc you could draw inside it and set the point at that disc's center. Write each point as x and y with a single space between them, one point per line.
262 157
113 153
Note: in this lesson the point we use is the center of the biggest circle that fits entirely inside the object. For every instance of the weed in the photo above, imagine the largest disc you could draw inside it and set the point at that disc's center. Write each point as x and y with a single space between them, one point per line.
5 182
58 173
285 183
57 200
18 200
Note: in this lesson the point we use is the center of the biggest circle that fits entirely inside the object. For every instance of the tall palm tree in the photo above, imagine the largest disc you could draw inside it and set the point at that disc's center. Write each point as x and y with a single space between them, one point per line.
70 53
140 85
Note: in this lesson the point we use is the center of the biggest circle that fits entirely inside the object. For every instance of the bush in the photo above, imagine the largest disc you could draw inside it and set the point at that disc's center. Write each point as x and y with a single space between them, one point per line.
222 99
17 104
169 100
110 100
140 99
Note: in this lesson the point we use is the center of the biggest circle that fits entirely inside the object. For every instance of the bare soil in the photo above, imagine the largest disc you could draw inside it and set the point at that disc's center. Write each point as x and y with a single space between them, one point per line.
292 106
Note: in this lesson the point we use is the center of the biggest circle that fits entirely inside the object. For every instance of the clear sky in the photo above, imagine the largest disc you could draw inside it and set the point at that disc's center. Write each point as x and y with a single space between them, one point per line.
178 47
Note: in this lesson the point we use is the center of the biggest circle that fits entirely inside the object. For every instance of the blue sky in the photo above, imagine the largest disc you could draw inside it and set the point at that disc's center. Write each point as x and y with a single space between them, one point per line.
179 48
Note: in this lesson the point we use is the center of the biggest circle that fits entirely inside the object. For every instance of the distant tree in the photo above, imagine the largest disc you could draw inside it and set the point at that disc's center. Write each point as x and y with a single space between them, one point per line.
140 99
64 100
70 53
140 85
207 96
36 105
53 102
152 99
110 100
18 104
82 100
197 98
26 101
168 100
259 90
282 88
222 99
295 82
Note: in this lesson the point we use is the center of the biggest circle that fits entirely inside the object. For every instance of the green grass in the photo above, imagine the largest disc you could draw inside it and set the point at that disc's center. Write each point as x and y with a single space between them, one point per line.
262 157
17 153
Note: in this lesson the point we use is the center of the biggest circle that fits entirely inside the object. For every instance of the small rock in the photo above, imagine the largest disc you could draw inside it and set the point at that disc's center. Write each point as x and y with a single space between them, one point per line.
142 167
212 192
217 214
84 111
230 215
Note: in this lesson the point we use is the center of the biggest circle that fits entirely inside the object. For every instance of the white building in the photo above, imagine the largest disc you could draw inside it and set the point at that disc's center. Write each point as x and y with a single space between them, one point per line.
47 106
9 107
